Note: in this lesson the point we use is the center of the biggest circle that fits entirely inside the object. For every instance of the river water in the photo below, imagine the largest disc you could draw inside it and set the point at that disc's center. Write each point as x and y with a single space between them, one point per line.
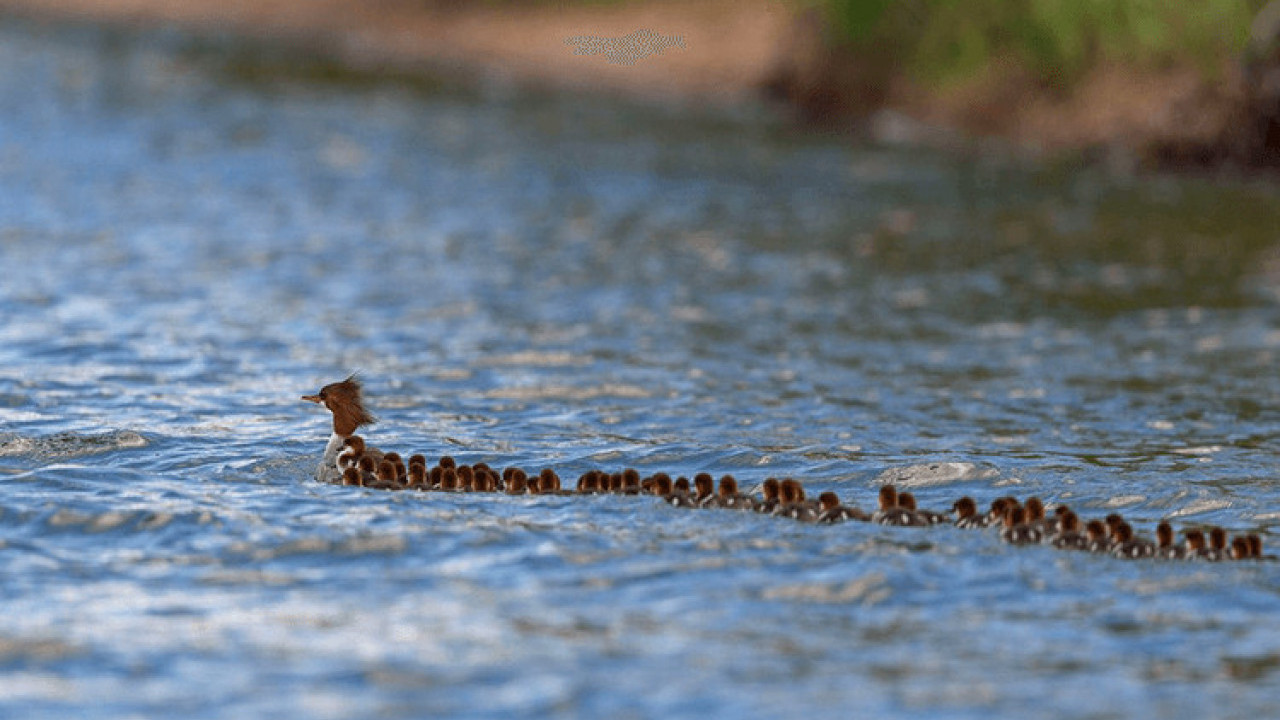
194 234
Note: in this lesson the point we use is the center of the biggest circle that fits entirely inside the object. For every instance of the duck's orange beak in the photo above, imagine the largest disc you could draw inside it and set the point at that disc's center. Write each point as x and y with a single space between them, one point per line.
312 398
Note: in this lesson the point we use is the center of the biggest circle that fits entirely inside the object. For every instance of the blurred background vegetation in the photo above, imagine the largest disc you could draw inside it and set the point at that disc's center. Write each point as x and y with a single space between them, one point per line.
942 41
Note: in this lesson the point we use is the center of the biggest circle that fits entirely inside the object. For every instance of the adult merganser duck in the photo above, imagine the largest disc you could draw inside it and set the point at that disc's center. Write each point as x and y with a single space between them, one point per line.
344 400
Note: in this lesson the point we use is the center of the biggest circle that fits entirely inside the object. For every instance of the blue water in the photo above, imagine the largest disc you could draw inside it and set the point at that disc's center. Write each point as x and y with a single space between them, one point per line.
195 234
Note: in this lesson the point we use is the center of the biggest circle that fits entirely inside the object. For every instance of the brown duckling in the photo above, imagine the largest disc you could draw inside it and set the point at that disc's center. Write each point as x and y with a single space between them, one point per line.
1129 547
1016 529
792 502
351 476
1069 536
1165 547
771 490
516 483
890 513
907 501
831 511
967 516
1096 533
730 499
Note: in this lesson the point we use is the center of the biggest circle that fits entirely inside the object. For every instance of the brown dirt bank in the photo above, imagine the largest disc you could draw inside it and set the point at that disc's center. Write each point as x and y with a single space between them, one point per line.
734 52
730 45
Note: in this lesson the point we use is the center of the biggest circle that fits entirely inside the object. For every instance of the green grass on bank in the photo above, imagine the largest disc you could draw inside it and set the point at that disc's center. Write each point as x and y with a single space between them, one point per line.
942 41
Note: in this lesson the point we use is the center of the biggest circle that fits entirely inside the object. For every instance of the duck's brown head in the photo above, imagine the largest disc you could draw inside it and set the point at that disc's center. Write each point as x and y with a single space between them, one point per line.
703 483
829 501
907 501
771 489
888 497
728 487
345 402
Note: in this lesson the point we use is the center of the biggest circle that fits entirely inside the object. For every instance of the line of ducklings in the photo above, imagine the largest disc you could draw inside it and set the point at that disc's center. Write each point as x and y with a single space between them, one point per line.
1019 523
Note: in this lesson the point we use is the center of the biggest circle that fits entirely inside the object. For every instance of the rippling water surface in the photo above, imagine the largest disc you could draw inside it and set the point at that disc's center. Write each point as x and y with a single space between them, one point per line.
194 235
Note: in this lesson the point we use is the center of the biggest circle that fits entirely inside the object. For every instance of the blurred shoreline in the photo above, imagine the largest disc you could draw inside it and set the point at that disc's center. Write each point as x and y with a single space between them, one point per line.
730 54
730 45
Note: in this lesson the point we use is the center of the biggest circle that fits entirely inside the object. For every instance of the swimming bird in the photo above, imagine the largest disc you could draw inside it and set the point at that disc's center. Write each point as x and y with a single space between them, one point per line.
1068 536
832 511
793 504
418 475
967 516
516 483
771 490
589 482
351 476
661 484
1217 545
345 401
1165 548
1255 545
704 487
1016 529
890 513
1239 548
907 501
730 499
1195 544
630 482
1130 547
1096 533
679 495
999 506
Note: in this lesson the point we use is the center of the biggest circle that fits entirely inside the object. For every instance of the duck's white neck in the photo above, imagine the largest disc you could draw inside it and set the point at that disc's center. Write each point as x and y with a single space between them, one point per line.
327 471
